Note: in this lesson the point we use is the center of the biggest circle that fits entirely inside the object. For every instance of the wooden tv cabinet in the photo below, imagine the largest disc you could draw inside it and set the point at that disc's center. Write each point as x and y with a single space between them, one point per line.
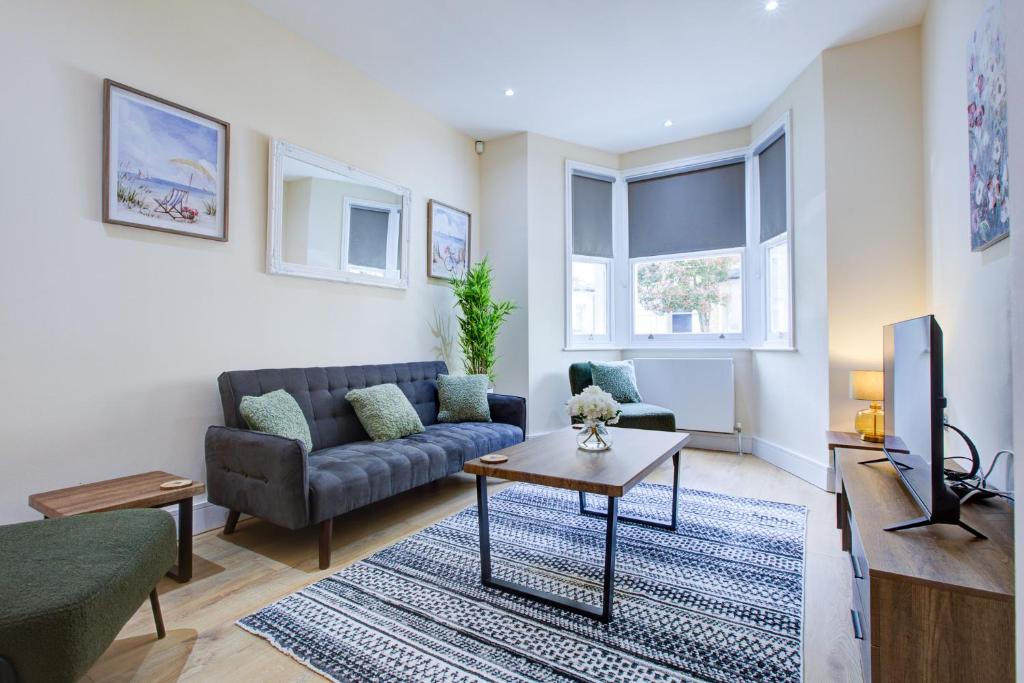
929 604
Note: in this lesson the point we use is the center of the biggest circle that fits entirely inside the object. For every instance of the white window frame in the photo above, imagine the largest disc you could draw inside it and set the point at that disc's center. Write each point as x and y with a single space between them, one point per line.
391 258
686 339
579 341
763 340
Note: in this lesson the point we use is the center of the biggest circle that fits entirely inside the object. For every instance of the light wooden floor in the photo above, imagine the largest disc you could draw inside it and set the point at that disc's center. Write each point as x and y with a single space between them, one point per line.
238 574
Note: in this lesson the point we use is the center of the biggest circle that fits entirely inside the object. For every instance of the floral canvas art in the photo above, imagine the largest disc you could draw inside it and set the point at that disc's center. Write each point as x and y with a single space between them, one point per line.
986 120
165 167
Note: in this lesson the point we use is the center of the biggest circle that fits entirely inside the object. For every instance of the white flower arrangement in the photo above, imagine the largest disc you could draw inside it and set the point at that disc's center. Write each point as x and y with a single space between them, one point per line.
593 404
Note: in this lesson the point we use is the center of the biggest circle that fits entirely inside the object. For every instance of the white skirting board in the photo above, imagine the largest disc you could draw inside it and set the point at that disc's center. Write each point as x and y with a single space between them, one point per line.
817 473
205 515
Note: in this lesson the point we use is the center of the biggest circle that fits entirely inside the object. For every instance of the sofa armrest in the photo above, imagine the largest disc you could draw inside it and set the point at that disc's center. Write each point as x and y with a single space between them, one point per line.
508 410
259 474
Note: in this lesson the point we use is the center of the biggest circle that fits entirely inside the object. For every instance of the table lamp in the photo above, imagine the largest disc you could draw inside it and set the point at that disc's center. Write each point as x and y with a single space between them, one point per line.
866 385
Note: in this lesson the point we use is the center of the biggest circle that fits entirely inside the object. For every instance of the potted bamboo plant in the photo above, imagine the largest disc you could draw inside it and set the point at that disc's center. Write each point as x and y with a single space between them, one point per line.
481 319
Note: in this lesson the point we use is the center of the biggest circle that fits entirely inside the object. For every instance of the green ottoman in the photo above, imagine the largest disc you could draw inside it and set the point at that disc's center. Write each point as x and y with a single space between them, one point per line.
69 585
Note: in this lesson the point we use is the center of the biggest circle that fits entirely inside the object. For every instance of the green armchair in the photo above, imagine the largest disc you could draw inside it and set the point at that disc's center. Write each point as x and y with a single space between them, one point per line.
69 585
634 415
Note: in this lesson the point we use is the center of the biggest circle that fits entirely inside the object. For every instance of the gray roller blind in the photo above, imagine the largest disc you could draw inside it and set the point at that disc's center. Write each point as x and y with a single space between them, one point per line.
693 211
368 238
772 177
591 216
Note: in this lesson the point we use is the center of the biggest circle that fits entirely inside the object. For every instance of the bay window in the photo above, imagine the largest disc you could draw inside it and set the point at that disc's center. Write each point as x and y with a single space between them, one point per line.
691 253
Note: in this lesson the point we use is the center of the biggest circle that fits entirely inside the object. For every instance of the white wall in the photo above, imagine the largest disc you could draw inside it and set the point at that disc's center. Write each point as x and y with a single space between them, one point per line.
114 336
503 192
873 143
790 388
968 292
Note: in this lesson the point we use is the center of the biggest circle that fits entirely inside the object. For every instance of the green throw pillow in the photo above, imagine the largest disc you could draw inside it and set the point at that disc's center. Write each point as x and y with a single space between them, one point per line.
276 413
385 412
463 398
618 379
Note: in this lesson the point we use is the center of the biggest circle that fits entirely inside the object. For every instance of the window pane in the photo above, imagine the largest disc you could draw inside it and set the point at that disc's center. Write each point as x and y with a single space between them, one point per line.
589 298
778 291
699 295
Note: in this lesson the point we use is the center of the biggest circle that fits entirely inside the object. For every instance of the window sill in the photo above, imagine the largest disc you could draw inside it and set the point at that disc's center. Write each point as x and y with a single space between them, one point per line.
678 347
770 347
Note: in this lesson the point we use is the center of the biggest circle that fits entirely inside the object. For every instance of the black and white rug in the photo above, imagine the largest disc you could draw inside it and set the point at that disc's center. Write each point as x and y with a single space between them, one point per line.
719 600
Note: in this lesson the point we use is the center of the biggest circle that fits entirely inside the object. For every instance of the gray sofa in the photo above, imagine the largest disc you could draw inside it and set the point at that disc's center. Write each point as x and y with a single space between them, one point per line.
274 478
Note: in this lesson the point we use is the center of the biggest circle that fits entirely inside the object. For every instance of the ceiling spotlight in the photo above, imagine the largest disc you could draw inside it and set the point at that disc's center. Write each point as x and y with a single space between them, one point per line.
509 92
668 123
771 5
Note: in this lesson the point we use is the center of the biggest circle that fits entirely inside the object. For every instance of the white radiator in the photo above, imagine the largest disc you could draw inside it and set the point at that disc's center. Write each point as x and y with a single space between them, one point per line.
700 391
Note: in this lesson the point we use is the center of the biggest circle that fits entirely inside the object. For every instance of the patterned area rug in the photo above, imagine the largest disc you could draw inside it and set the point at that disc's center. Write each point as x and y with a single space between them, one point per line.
720 600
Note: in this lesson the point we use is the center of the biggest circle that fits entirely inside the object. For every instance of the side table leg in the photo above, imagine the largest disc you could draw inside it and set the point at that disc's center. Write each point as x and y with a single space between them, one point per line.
182 572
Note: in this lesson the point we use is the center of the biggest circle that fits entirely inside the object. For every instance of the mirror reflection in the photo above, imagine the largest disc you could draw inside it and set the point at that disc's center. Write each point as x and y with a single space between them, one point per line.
334 222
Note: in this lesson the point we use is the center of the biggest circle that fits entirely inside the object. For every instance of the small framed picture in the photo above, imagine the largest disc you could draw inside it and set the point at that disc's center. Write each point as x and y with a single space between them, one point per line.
165 167
448 234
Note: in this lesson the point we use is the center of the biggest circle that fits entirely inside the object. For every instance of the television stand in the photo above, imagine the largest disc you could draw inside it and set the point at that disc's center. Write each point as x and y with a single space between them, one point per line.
931 605
925 521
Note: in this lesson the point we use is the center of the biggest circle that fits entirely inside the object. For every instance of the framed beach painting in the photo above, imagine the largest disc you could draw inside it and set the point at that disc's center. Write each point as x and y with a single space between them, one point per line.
165 167
987 134
448 233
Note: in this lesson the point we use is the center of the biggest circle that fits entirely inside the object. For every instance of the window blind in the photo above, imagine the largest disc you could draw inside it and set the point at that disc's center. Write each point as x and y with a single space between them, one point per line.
591 216
771 169
368 238
697 210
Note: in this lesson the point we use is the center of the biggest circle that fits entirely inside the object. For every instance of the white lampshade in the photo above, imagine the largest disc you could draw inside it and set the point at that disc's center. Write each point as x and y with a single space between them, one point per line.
867 385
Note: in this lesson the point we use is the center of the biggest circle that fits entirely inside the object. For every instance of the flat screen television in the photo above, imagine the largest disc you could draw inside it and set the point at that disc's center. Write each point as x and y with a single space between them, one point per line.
914 419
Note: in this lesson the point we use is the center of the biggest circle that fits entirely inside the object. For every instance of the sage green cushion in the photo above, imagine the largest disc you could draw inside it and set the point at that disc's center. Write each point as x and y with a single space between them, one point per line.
276 413
384 412
463 398
618 378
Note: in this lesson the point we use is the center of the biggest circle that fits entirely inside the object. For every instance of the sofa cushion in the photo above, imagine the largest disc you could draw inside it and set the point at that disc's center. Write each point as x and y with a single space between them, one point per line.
646 416
276 413
346 477
462 398
618 378
384 412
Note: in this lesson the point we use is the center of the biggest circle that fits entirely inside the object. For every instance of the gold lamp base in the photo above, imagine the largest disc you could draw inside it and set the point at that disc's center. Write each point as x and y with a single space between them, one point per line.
870 423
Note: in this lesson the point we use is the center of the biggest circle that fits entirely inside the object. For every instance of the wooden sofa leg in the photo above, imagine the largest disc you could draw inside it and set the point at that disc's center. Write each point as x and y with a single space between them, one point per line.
154 602
326 531
229 526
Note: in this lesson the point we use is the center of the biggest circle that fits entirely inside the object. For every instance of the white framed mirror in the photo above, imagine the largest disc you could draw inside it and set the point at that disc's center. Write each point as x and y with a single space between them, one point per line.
330 221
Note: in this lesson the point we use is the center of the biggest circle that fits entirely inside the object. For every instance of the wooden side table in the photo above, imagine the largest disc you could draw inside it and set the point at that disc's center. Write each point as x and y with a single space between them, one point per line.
136 491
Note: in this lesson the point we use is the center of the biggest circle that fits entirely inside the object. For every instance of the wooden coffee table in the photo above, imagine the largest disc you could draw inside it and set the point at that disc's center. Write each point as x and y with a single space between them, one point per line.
554 460
136 491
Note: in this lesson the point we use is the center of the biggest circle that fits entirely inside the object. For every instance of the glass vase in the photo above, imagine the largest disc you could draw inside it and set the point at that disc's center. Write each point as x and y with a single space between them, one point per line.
594 436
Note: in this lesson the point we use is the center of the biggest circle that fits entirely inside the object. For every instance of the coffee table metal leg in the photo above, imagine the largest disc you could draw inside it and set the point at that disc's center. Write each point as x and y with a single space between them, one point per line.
182 571
610 544
483 521
602 613
671 526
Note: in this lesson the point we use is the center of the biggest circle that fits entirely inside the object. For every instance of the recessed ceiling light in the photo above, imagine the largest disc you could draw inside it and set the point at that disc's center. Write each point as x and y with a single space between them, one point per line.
771 5
509 92
668 123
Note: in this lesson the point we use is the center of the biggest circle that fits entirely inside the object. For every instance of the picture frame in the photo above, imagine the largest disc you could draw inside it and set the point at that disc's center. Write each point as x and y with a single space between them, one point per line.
449 236
165 166
987 117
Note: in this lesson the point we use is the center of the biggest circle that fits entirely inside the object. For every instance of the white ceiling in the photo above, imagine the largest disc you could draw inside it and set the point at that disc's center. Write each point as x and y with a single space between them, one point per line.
603 73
